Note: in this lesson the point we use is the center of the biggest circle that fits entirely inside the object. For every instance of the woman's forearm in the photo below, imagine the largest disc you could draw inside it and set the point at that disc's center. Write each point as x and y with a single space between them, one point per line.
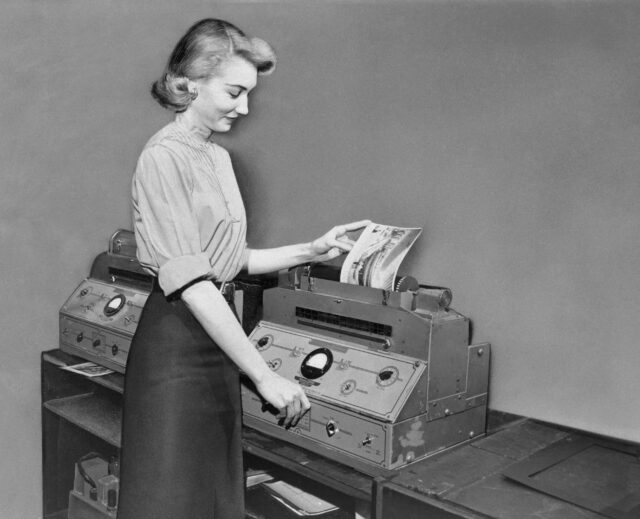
328 246
263 261
208 306
211 310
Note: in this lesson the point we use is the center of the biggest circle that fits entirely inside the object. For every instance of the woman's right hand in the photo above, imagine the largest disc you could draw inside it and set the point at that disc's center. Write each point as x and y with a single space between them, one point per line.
285 396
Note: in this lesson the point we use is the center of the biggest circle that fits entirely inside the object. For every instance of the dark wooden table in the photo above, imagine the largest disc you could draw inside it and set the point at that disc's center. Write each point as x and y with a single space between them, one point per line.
80 415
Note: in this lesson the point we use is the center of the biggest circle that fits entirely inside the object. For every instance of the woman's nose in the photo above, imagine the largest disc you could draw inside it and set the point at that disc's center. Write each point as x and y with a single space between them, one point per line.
243 105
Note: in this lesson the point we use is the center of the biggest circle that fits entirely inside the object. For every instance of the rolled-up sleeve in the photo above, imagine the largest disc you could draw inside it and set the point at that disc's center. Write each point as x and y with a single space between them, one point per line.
166 224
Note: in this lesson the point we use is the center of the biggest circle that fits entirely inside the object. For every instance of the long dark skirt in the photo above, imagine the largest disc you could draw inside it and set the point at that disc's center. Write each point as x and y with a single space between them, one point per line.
181 439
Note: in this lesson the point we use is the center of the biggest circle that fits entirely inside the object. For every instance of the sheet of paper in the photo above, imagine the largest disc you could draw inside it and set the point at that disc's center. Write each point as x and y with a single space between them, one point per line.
377 255
89 369
300 502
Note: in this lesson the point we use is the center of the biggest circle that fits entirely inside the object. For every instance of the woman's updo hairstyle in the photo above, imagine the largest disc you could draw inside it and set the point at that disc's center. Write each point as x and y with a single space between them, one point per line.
199 53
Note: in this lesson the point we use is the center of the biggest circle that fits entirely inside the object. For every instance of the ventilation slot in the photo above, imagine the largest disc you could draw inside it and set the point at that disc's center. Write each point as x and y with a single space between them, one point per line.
325 319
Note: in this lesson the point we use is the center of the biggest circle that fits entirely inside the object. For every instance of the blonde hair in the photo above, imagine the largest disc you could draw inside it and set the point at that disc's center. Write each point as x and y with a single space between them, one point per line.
199 54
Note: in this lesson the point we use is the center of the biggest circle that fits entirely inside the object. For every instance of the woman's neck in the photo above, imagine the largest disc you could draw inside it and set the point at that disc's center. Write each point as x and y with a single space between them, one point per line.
187 122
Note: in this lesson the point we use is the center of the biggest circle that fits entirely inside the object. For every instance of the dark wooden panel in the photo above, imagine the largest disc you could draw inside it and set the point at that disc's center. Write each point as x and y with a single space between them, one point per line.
456 468
498 498
521 440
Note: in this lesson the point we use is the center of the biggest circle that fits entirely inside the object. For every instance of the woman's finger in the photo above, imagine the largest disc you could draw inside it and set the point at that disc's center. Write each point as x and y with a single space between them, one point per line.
343 244
304 402
293 413
354 226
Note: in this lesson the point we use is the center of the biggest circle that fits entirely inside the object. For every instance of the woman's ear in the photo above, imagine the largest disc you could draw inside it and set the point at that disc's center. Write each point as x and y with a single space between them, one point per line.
192 88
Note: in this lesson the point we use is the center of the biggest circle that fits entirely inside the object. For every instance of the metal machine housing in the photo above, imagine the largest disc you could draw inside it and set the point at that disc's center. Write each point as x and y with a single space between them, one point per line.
98 320
403 382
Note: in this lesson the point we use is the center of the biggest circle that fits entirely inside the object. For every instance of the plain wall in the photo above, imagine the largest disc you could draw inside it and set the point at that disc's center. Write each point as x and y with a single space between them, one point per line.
508 130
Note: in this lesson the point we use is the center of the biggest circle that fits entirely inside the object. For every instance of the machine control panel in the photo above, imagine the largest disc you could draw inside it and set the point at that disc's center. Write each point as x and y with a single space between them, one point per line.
338 372
98 321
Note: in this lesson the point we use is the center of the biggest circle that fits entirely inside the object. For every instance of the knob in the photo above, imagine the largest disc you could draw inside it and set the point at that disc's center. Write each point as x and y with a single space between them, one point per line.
114 350
332 428
385 375
274 364
96 343
264 342
79 337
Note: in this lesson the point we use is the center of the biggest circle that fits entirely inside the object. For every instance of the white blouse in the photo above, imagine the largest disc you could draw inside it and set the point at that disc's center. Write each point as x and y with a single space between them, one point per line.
188 215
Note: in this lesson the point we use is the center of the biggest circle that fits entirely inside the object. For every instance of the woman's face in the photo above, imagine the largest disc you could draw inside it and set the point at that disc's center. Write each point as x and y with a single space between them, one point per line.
225 97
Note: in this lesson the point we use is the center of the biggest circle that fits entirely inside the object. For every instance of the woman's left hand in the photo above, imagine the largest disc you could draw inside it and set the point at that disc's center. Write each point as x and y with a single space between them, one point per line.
336 242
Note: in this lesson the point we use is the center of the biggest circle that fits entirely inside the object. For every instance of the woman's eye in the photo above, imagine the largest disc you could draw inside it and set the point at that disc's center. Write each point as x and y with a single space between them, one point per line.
234 94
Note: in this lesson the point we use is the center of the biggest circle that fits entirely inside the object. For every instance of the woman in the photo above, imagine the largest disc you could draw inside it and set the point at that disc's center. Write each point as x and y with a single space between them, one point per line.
181 440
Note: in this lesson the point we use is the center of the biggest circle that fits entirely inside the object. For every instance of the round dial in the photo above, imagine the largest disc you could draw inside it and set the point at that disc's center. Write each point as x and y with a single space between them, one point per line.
114 305
317 363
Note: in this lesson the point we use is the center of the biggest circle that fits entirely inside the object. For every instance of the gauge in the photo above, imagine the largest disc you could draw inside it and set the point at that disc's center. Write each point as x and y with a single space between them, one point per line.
114 305
317 363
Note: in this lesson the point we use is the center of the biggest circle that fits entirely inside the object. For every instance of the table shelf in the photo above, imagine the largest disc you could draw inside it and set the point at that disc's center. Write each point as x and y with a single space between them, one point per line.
96 414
